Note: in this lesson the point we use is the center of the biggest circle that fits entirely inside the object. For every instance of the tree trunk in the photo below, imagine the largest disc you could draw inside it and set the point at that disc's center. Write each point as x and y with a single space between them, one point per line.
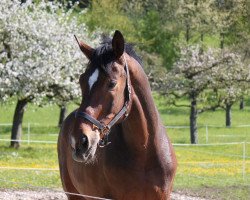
222 41
16 131
202 37
242 104
228 115
187 33
63 112
193 122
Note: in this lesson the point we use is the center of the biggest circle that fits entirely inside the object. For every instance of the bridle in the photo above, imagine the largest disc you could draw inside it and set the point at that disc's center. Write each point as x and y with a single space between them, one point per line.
105 128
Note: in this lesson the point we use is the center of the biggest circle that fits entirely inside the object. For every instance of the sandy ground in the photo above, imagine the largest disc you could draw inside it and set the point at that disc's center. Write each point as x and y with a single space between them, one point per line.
57 195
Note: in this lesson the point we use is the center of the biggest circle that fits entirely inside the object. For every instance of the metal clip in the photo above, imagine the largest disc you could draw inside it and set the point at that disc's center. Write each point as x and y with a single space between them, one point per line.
94 127
105 130
104 142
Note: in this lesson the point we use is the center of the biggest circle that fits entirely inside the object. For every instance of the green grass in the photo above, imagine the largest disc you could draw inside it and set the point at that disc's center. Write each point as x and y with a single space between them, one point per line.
206 171
46 116
40 156
212 165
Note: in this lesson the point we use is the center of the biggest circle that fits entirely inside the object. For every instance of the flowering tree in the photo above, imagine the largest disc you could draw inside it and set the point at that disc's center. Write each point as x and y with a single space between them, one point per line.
44 60
232 82
193 76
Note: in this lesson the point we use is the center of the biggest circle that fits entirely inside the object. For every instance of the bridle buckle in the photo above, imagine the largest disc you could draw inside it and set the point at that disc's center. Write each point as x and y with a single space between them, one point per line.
94 127
105 130
104 133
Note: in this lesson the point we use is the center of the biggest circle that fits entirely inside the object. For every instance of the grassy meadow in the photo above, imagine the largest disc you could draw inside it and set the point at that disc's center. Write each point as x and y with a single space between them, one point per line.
213 171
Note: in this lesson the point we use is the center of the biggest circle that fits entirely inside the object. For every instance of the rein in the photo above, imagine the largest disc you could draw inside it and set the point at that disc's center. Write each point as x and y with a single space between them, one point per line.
105 129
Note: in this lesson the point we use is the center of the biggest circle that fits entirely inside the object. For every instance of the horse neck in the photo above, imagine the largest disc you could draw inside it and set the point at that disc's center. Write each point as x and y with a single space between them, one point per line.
142 123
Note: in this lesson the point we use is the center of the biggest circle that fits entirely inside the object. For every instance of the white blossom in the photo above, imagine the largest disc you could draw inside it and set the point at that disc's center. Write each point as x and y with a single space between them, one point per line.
45 58
202 71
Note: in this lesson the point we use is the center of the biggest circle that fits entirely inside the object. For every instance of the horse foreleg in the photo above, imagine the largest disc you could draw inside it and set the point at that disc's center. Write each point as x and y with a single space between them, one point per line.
68 186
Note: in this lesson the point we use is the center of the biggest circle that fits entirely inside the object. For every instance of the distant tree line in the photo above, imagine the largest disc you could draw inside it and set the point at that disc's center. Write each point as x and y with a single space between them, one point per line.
193 49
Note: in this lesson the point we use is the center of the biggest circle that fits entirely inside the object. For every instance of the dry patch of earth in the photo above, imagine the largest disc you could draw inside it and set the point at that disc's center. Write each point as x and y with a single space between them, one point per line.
59 195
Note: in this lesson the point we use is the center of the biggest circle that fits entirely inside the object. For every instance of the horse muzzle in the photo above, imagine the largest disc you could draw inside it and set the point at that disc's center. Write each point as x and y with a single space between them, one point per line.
82 151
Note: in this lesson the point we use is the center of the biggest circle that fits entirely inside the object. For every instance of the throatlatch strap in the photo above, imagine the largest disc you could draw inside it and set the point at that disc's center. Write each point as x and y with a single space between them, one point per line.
117 117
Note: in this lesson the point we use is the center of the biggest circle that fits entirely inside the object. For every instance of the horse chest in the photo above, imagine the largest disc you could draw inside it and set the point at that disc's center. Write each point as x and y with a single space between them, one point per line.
135 184
118 182
89 179
128 179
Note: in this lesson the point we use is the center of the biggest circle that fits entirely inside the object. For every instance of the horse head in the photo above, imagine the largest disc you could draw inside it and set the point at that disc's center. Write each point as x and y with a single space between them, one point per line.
105 102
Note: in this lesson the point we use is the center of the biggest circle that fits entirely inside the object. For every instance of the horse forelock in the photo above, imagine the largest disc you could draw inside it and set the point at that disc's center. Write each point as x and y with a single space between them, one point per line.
103 56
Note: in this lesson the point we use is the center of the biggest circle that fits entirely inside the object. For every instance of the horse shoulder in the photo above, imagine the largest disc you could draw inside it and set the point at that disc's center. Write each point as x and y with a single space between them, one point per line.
166 158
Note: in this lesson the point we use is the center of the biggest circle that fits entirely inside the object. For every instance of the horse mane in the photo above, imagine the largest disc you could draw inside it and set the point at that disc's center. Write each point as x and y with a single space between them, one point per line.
103 55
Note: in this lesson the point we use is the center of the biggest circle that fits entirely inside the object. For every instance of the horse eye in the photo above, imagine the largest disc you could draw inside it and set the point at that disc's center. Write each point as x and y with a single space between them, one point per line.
112 84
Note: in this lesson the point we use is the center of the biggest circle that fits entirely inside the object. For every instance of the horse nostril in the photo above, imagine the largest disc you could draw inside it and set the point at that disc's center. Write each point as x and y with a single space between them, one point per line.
84 141
82 145
78 150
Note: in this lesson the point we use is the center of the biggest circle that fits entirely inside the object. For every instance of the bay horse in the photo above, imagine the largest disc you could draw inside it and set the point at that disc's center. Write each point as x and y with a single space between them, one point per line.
115 145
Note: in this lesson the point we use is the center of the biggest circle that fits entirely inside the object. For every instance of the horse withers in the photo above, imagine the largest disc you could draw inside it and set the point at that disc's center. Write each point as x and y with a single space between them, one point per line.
114 145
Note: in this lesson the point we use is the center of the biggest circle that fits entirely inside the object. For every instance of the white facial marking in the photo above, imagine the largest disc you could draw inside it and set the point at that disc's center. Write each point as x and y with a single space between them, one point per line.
73 142
93 78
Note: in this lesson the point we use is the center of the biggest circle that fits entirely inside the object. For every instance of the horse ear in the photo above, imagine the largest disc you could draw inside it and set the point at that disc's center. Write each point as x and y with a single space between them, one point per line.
86 49
118 44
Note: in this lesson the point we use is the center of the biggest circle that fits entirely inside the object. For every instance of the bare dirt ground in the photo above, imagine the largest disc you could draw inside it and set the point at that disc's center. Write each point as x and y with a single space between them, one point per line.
59 195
